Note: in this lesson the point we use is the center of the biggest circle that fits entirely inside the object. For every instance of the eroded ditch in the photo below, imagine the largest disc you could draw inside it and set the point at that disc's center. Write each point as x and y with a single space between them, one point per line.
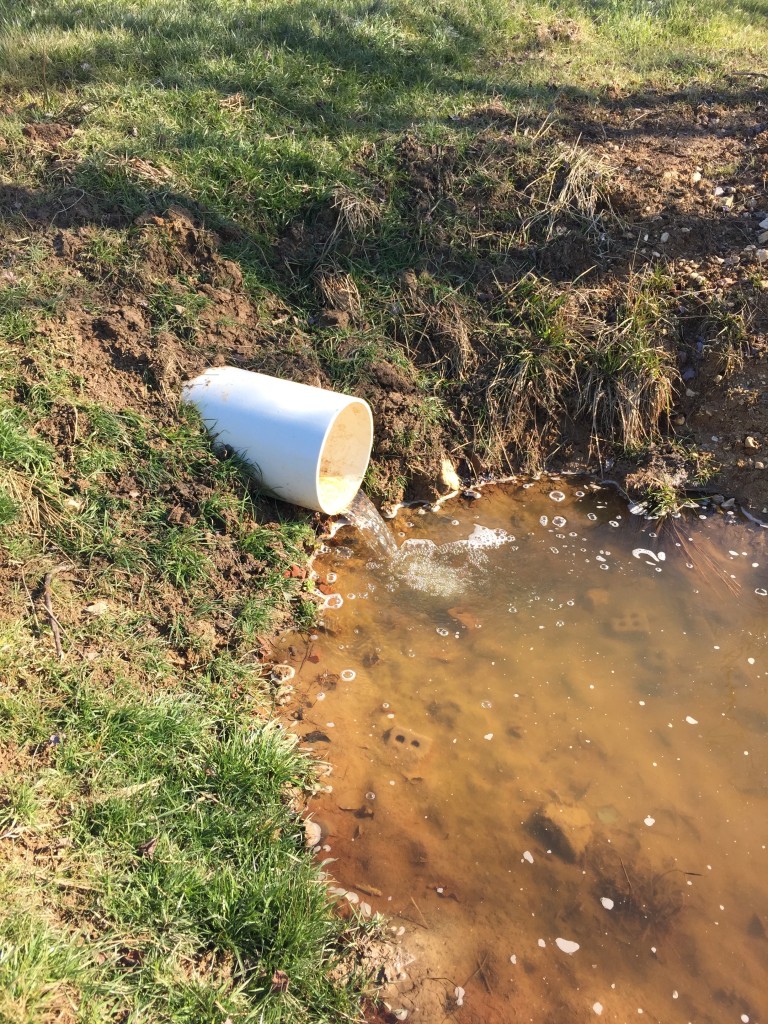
548 725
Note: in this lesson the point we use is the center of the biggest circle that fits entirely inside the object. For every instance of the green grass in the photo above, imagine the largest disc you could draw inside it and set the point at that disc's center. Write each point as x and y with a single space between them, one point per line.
152 728
183 849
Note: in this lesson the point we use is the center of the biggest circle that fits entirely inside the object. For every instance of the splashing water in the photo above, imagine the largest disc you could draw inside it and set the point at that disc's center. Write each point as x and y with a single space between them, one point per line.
363 515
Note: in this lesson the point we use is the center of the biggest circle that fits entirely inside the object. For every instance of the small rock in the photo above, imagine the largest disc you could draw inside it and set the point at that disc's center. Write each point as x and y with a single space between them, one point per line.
96 608
762 237
471 495
696 177
281 673
762 255
764 223
719 191
312 834
563 828
750 442
759 464
449 478
664 237
728 504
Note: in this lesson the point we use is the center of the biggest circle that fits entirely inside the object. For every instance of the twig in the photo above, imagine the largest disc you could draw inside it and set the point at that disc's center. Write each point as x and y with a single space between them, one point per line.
52 620
481 972
631 890
418 909
747 74
31 601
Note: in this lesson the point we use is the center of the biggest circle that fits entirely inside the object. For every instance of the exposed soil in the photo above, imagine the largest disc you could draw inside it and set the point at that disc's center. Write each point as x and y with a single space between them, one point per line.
687 185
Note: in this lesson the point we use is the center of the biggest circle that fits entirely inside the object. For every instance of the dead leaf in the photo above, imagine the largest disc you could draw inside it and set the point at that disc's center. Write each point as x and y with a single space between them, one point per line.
280 981
148 849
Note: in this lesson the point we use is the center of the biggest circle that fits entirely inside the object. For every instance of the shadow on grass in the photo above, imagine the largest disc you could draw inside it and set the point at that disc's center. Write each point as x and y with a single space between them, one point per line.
322 67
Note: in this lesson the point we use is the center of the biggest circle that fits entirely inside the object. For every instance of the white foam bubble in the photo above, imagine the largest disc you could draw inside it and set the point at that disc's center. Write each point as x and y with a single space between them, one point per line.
567 946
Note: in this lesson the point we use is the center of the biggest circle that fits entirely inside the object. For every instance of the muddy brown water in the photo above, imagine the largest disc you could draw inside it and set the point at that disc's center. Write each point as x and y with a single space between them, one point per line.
547 721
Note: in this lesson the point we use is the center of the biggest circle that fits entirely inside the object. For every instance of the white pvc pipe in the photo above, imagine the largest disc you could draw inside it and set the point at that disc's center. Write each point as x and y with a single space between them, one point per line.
305 445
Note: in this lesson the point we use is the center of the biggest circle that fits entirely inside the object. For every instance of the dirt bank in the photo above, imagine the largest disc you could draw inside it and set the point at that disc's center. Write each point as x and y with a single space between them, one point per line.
592 293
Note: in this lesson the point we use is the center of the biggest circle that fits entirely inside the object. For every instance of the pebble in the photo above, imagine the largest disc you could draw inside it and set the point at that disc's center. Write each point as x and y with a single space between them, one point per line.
664 237
764 223
750 442
312 834
762 255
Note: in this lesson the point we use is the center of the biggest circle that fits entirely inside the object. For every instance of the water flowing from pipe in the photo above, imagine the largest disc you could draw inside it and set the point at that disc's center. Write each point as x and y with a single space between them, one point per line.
364 516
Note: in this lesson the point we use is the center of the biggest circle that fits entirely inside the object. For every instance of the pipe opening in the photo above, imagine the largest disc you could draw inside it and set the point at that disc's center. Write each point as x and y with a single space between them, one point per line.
344 457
